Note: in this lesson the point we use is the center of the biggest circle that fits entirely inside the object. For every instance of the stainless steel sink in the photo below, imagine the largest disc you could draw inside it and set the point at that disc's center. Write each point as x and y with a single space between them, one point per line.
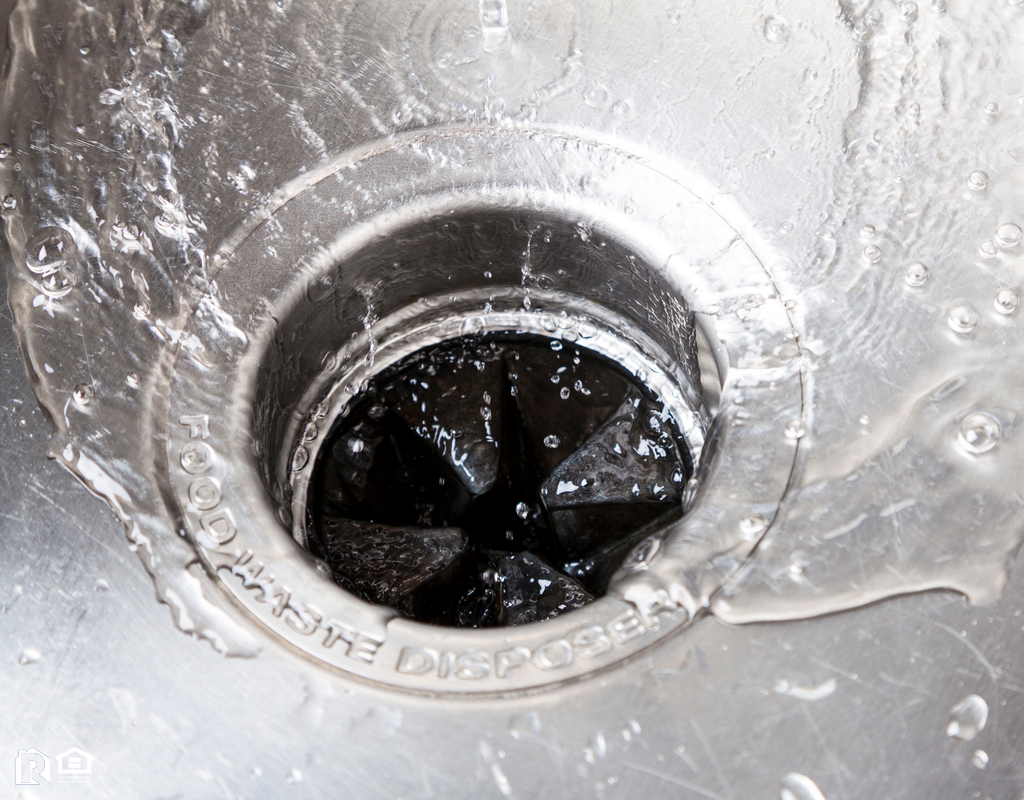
794 227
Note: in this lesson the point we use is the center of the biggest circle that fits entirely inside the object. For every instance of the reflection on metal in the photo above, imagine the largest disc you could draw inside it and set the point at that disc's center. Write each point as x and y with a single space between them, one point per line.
803 219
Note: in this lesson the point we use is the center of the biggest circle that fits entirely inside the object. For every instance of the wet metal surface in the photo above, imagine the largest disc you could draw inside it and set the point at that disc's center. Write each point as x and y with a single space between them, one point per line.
805 216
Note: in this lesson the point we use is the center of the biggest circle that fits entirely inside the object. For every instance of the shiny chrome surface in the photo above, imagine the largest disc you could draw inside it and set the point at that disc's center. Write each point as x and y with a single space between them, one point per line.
208 207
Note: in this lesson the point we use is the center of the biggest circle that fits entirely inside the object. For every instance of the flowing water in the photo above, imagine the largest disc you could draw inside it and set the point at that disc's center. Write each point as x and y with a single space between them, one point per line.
868 153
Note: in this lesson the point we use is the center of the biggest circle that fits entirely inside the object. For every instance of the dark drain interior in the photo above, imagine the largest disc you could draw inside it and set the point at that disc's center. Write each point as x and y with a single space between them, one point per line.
493 481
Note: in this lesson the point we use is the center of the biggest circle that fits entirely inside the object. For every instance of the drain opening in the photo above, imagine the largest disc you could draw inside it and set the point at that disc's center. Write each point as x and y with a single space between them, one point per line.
494 481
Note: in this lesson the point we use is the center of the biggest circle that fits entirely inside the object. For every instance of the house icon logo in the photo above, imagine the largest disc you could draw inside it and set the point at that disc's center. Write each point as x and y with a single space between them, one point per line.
74 766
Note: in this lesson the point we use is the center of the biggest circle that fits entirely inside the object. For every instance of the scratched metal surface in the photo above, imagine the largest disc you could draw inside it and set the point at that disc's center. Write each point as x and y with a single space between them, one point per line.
881 114
706 715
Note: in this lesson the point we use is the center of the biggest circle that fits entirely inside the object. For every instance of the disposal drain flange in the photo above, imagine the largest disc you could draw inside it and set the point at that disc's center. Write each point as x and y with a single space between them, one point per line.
650 282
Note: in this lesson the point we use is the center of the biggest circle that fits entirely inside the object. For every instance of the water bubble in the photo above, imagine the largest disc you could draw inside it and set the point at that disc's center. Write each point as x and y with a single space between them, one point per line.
992 109
939 6
141 310
917 274
47 249
967 718
1006 301
980 759
776 29
752 526
310 432
130 231
5 150
133 380
865 420
552 441
868 231
979 432
9 203
295 776
299 458
795 429
58 283
908 10
29 656
988 250
873 253
795 786
962 319
564 393
83 394
977 180
556 345
1008 235
522 510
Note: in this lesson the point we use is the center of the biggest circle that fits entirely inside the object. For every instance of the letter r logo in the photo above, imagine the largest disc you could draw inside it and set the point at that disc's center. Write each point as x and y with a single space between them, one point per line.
28 765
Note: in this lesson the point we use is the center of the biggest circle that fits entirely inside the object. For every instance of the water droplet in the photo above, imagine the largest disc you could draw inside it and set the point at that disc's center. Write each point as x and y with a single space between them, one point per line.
992 109
967 718
1008 235
873 253
29 656
141 310
83 394
865 420
917 274
9 203
868 231
776 29
977 180
522 510
980 759
962 319
310 432
5 150
752 526
47 249
552 441
564 393
979 432
299 458
795 786
1007 300
130 231
988 249
908 10
939 6
324 568
523 724
795 429
295 776
133 380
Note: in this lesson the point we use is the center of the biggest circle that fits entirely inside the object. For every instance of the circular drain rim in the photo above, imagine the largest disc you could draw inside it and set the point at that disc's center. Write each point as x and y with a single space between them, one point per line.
234 526
409 331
